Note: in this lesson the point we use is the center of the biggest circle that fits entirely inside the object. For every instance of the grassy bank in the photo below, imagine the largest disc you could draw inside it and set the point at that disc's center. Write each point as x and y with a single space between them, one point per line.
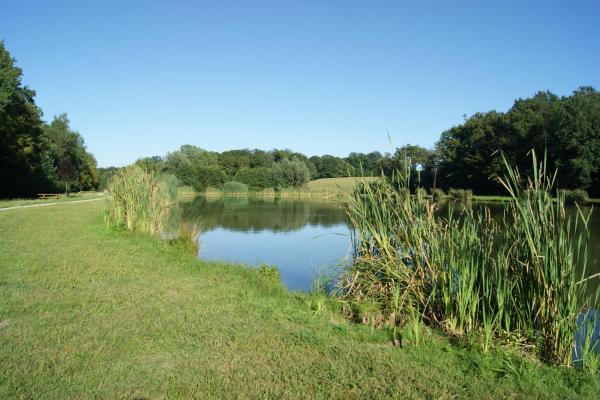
88 312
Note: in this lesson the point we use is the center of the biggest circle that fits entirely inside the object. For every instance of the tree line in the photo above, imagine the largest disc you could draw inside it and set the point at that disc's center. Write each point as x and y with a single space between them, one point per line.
36 156
258 169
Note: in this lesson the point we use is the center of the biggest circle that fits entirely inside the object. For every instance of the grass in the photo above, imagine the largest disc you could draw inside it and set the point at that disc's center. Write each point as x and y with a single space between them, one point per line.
470 276
88 312
139 200
326 187
62 199
337 185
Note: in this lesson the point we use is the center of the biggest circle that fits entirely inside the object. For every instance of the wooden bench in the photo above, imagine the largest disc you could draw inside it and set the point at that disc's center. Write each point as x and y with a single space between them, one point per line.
49 195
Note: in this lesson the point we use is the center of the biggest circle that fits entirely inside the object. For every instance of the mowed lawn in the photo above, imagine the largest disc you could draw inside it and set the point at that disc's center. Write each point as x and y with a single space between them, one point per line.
87 312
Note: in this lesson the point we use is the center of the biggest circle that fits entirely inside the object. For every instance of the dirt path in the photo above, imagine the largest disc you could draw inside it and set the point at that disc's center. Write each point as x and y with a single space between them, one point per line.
52 204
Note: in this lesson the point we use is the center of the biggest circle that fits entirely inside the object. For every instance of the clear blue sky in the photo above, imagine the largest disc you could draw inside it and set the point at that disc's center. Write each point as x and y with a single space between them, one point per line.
140 78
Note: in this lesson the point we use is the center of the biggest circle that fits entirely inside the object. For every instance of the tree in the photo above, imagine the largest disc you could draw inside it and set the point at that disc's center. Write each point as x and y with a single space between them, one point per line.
332 167
256 178
291 173
66 172
152 164
234 160
65 158
21 171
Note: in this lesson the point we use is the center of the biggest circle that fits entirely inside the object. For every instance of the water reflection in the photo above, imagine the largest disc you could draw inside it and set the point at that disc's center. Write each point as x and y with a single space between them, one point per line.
301 237
251 214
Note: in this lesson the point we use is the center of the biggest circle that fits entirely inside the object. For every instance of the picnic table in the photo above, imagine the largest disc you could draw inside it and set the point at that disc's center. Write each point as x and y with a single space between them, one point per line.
49 195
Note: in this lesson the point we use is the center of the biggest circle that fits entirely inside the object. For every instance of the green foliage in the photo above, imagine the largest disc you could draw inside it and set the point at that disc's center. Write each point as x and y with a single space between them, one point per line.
256 178
567 127
34 156
171 184
291 173
437 194
330 166
65 159
269 272
21 172
466 273
235 187
576 196
464 195
140 202
104 175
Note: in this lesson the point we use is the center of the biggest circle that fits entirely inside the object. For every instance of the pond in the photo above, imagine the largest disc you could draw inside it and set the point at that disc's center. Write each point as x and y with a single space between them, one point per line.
307 237
302 237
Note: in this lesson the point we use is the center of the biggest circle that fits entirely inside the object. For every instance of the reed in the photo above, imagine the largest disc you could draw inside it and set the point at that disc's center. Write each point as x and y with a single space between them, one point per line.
139 201
467 273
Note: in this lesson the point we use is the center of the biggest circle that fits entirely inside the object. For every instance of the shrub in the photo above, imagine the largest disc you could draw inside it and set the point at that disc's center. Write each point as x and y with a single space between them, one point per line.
269 272
437 194
577 196
421 193
291 173
460 194
171 184
140 202
235 187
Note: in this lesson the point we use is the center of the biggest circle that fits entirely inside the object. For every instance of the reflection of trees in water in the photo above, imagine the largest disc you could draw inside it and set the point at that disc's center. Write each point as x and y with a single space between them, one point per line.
243 213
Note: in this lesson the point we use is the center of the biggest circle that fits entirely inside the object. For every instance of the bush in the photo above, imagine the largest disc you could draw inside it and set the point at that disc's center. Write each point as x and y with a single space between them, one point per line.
171 184
577 196
421 193
460 194
288 173
437 194
270 272
140 202
235 187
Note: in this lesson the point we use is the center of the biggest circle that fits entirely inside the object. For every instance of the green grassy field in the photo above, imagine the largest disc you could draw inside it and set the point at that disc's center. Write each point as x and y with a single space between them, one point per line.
62 199
336 185
88 312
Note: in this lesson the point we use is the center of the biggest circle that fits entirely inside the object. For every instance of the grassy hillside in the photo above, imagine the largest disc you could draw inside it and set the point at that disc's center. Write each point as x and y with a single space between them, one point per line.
86 312
337 185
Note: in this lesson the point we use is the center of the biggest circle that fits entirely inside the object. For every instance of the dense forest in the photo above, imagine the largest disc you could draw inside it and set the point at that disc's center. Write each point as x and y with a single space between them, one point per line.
36 156
47 157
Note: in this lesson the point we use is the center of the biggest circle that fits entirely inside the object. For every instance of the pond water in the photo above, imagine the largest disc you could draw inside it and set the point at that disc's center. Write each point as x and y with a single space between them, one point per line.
302 237
307 237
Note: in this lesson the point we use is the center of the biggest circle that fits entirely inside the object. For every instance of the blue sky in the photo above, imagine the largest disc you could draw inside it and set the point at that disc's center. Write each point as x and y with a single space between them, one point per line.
140 78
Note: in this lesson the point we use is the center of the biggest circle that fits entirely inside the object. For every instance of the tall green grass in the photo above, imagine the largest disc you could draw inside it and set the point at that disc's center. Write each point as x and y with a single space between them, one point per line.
139 201
467 273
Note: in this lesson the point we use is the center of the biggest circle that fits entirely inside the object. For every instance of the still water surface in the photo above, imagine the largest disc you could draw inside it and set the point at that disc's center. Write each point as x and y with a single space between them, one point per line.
300 236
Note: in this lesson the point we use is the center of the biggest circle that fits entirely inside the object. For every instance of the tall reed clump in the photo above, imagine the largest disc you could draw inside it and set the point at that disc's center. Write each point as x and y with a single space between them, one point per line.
467 273
139 201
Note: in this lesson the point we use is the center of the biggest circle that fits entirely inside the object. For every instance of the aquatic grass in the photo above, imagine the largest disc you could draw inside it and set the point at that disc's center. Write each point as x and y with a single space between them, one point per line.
235 187
586 349
187 235
463 195
466 272
139 201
